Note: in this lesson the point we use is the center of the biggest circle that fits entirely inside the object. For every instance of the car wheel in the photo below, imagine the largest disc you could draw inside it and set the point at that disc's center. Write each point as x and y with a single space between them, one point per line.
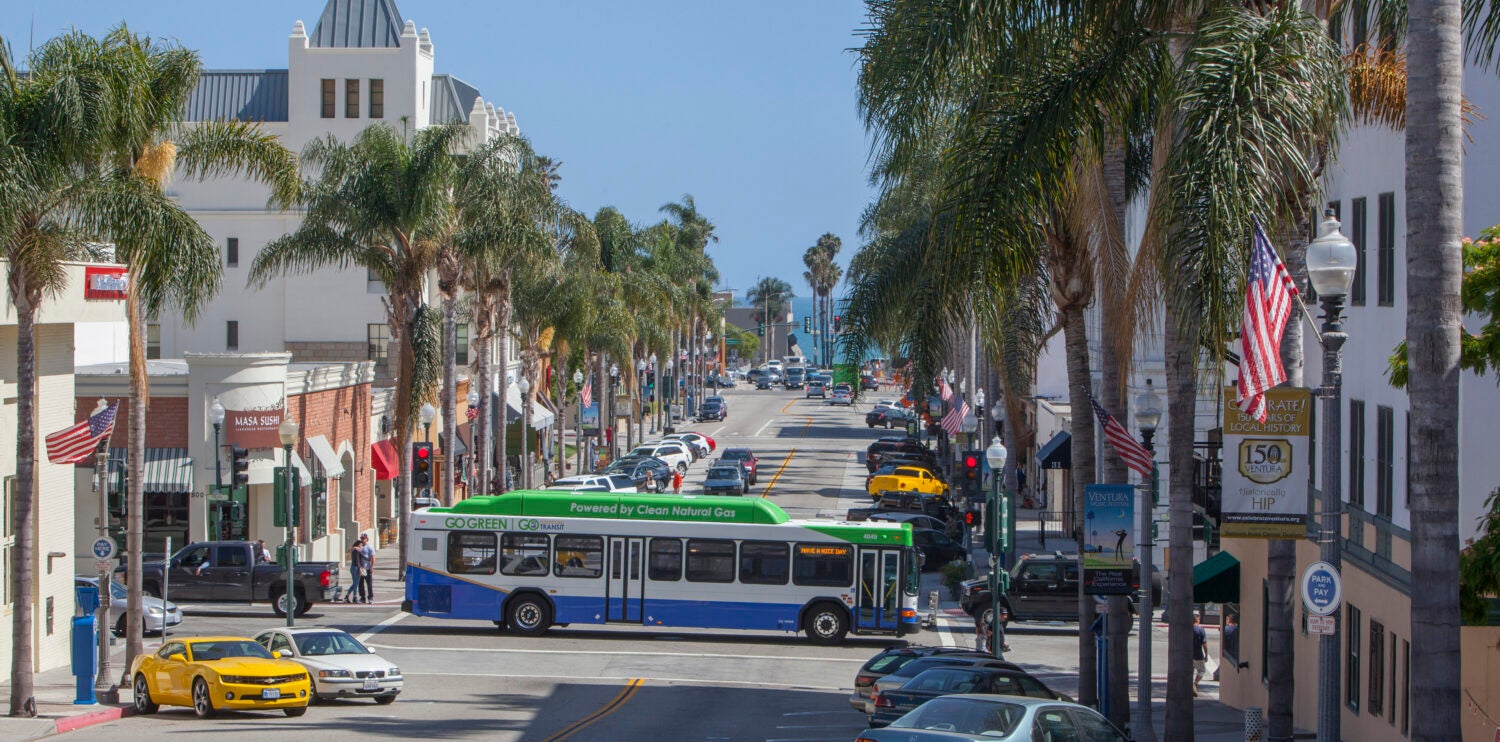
386 700
142 697
887 424
120 626
529 615
203 701
681 468
278 603
826 624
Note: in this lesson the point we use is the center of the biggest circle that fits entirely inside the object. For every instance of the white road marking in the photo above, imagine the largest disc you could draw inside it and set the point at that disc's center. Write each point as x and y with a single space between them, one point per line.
607 678
763 428
604 653
812 713
716 433
377 628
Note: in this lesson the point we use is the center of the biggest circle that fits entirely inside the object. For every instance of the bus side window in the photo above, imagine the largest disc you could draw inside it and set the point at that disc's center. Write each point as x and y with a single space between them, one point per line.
471 553
710 560
823 565
666 560
579 556
523 554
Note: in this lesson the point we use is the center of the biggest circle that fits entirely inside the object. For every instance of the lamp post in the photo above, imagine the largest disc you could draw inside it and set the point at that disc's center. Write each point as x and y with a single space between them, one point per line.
655 393
578 430
640 415
216 416
426 414
476 461
671 399
1147 416
524 386
997 531
287 432
979 412
614 377
1331 261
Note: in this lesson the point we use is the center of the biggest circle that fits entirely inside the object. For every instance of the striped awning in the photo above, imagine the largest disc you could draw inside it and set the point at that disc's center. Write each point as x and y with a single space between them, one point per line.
168 470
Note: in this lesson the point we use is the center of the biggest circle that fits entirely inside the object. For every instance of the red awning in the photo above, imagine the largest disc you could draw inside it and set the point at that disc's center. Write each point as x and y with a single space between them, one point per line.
383 457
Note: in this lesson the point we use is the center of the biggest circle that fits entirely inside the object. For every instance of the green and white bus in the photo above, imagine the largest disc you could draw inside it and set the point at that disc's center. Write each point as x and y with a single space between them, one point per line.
529 560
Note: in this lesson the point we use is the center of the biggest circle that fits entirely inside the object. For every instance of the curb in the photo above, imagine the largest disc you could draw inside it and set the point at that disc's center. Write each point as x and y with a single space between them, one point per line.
104 715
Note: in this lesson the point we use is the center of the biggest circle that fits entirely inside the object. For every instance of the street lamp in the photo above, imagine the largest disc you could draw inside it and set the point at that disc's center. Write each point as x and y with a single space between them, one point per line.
216 416
640 412
287 432
997 530
476 463
426 414
524 386
979 410
614 377
104 687
1331 260
671 398
578 436
655 393
1147 415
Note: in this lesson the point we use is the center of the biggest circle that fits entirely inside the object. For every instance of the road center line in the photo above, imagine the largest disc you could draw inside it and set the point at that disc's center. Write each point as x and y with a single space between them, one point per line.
789 454
674 681
611 707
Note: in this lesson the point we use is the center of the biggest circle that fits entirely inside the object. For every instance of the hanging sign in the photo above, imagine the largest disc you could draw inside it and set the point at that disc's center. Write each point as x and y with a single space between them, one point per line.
105 282
253 428
1109 544
1266 467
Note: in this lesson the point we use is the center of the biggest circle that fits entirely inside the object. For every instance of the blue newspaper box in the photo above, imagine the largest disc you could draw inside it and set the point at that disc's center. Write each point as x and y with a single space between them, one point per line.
86 645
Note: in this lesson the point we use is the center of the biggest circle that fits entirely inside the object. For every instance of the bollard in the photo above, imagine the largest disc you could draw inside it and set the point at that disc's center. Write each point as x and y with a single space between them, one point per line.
1255 724
932 608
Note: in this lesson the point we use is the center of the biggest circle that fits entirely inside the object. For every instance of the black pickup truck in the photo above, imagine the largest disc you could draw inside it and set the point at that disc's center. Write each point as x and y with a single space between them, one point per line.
230 572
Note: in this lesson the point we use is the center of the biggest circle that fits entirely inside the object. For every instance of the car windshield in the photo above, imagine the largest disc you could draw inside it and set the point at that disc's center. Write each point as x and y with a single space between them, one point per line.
227 648
723 472
328 642
737 455
987 718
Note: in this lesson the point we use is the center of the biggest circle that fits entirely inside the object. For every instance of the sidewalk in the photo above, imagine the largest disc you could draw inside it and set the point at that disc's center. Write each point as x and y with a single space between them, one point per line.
54 690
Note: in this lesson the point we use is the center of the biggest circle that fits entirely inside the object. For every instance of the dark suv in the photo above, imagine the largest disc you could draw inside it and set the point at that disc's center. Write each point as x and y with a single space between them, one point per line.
713 408
1043 587
907 447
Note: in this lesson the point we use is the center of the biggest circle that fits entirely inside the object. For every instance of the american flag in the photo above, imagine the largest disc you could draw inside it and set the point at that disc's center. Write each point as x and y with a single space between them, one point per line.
1269 291
75 444
945 390
587 395
954 419
473 413
1133 454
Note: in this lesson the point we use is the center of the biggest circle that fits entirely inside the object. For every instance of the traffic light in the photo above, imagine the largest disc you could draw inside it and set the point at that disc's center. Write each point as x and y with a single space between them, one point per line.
760 330
421 465
278 502
807 325
970 518
836 323
239 466
972 481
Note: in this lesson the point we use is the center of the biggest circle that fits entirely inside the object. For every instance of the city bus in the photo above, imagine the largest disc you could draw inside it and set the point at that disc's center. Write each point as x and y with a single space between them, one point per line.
530 560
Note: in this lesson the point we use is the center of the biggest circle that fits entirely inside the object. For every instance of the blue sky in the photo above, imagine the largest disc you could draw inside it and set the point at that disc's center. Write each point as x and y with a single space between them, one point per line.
747 106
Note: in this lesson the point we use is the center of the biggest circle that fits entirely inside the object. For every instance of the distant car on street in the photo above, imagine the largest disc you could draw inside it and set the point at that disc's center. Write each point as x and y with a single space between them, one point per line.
841 397
157 611
868 383
594 483
340 666
713 408
815 388
637 467
728 479
990 718
747 460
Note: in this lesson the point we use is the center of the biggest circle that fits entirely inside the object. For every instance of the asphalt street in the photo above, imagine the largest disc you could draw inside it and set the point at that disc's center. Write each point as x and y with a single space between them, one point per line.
465 680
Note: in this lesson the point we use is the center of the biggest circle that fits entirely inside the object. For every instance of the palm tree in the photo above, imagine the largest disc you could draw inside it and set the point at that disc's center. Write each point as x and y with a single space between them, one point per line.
1434 270
381 202
773 296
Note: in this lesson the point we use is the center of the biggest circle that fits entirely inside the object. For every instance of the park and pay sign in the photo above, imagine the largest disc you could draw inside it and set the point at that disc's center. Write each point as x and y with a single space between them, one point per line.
1265 485
1322 589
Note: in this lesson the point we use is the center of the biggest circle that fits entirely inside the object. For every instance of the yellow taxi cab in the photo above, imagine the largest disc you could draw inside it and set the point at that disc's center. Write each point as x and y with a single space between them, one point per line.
210 673
906 479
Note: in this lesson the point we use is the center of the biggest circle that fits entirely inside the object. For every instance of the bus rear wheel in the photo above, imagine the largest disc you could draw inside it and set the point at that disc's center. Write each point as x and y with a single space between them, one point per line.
529 615
826 623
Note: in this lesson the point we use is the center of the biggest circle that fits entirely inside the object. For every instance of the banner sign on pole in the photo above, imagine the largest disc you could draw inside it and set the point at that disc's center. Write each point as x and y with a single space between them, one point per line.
1266 468
1109 539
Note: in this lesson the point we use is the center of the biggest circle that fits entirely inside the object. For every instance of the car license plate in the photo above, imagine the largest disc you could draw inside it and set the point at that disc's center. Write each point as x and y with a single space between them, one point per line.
271 694
372 685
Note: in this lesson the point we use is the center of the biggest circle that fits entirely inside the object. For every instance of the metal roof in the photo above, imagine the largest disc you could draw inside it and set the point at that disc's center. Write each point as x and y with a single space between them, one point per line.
364 24
240 95
168 470
452 99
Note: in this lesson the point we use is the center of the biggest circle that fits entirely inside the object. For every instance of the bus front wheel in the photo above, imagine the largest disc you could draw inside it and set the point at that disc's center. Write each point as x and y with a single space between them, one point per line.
826 623
529 615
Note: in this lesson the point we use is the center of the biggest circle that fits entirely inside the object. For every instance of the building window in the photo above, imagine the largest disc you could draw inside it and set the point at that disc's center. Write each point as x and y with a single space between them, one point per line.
1376 704
372 278
351 99
1385 466
1357 236
1405 685
7 541
379 336
232 335
1357 453
328 93
232 252
153 342
377 99
1351 658
1385 227
461 344
1390 709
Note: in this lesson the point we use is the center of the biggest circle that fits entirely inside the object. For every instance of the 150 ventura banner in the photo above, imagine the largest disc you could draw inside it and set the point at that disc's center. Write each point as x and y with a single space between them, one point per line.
1266 467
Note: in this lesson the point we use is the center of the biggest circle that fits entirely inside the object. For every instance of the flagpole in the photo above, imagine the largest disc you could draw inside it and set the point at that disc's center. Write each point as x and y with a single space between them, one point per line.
104 686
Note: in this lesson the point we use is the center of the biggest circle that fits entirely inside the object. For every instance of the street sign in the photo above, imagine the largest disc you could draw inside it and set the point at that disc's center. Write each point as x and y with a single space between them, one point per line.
104 548
103 565
1321 625
1322 590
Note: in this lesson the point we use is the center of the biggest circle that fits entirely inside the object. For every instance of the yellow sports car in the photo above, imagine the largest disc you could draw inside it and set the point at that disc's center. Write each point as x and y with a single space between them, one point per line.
906 479
219 672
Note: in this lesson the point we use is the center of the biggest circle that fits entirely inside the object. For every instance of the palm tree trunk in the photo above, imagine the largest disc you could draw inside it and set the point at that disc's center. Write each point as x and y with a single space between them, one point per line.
1075 334
450 405
502 352
22 569
1434 228
403 325
135 503
1182 394
479 438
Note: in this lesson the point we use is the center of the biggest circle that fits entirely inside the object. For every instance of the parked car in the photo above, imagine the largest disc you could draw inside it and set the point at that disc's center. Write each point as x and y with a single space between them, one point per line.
888 661
892 704
934 506
899 676
987 718
917 520
902 446
815 388
160 615
892 463
675 453
1043 587
595 483
905 478
746 459
340 666
713 408
418 503
728 479
233 572
700 445
868 383
210 673
841 397
889 417
937 547
637 467
721 381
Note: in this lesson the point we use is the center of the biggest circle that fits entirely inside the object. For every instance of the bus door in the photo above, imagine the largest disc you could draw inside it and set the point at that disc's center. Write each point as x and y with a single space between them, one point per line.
626 583
878 605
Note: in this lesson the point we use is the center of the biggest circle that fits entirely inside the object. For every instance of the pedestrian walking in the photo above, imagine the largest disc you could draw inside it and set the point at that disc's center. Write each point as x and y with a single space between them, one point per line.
1200 652
367 570
262 554
676 482
356 578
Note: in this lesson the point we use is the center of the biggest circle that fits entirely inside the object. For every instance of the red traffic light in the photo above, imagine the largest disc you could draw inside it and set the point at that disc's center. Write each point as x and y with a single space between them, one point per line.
969 518
971 462
423 452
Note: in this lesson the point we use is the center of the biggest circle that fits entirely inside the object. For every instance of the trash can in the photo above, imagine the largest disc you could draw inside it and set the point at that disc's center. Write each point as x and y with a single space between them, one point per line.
85 645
